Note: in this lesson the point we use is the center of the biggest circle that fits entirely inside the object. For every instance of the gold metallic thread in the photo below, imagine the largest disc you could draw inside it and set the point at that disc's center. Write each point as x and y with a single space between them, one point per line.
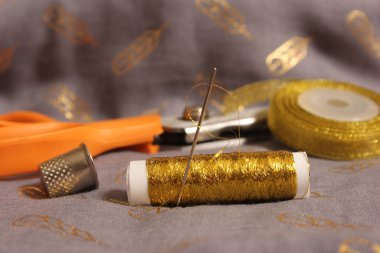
217 95
319 136
230 178
141 212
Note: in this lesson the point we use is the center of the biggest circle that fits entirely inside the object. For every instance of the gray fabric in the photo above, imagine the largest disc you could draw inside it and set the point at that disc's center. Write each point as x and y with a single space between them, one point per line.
191 44
344 198
344 209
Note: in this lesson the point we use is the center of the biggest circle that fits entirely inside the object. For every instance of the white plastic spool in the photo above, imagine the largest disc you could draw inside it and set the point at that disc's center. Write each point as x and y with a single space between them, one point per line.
338 105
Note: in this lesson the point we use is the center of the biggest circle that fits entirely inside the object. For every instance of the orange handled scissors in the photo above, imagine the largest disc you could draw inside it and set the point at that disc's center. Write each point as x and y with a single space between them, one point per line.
28 138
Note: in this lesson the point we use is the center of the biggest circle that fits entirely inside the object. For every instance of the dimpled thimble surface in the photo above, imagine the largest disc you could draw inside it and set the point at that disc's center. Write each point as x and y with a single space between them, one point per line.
69 173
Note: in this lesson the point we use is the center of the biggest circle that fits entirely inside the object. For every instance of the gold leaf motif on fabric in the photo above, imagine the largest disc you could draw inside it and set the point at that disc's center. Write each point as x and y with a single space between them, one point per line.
358 245
316 195
6 58
69 26
224 15
355 167
137 51
309 221
69 104
363 31
146 212
55 226
32 191
288 55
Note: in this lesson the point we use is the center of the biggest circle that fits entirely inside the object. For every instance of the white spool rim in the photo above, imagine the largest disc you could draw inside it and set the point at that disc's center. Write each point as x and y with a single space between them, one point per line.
338 105
302 166
137 183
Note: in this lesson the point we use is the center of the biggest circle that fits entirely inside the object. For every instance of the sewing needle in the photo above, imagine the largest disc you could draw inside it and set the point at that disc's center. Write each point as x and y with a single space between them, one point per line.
205 102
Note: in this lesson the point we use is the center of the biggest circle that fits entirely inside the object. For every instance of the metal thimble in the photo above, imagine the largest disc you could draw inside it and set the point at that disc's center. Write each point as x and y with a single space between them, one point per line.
69 173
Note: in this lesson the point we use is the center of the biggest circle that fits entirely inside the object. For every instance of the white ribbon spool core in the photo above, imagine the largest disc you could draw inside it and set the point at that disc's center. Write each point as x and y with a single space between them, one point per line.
338 105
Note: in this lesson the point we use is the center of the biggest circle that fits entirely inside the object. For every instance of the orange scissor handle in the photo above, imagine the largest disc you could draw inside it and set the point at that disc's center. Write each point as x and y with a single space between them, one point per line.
27 139
23 117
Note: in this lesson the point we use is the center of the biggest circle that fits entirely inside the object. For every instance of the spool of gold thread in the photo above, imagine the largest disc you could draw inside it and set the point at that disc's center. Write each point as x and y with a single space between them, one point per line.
332 136
229 178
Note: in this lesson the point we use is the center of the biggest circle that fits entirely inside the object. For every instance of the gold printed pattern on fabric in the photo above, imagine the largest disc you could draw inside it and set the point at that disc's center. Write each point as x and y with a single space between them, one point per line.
179 247
6 58
56 226
184 245
146 212
69 104
316 195
32 191
358 245
137 51
119 177
252 93
355 167
318 136
288 55
69 26
363 31
309 221
230 178
224 15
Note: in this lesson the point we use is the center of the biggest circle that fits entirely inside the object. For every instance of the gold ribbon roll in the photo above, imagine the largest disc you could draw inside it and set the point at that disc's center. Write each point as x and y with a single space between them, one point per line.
326 137
251 94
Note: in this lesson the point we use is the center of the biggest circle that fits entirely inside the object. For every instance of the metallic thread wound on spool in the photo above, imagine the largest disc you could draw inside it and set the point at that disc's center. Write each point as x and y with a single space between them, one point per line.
230 178
69 173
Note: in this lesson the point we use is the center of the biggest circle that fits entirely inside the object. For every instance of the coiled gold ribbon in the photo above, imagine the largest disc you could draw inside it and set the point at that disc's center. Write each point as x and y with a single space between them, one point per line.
251 94
319 136
304 131
230 178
